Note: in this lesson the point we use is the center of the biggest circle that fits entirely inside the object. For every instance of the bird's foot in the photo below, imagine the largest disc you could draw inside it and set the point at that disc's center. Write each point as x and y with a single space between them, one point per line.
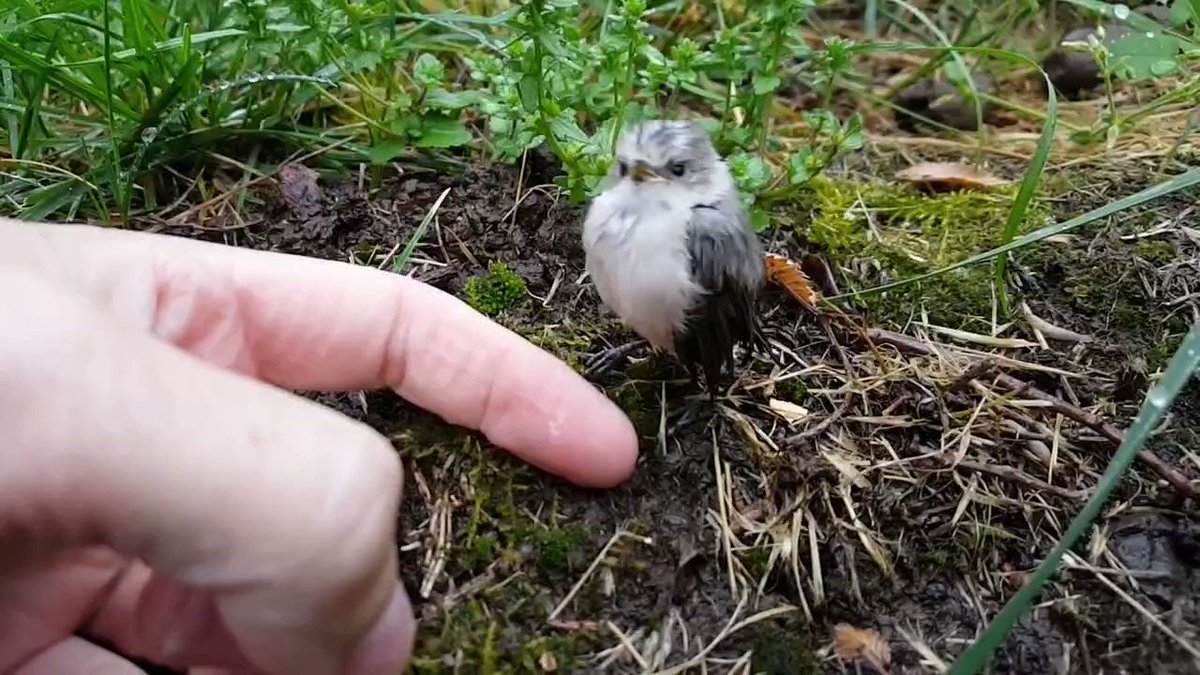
695 409
609 359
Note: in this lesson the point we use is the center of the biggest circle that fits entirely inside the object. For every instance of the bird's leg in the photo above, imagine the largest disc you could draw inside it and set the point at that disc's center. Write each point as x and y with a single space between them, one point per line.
608 359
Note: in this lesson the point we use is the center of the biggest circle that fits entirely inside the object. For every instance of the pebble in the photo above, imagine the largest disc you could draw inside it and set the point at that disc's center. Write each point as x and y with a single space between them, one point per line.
941 102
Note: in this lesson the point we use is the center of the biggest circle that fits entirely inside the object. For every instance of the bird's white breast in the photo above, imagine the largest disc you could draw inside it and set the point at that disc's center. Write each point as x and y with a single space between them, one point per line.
636 245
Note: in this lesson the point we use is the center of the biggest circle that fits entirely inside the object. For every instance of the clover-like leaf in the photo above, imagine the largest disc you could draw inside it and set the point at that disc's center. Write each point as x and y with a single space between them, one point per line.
443 133
750 171
1141 56
428 71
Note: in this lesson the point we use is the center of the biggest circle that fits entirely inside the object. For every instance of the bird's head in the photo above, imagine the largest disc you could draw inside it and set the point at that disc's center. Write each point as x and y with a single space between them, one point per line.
660 152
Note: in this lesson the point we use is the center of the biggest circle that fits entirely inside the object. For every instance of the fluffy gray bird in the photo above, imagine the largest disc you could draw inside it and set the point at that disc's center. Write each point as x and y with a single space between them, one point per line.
670 250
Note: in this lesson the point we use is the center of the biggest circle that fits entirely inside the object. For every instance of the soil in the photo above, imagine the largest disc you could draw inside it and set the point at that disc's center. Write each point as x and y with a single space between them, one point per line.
920 552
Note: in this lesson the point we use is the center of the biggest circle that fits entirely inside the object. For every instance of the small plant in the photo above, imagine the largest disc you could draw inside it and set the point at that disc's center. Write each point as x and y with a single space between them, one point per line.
496 292
429 117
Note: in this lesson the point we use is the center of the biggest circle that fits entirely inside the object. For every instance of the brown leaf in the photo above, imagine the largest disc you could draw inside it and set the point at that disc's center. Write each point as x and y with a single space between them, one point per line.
298 183
790 412
944 176
789 276
865 645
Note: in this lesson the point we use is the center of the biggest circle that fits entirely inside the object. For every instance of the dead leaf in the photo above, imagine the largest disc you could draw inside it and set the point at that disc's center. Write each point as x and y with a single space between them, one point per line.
848 470
790 412
865 645
945 176
548 663
789 276
300 189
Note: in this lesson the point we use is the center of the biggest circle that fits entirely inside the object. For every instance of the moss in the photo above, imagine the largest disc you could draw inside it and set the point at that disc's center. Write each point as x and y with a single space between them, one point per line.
570 343
756 560
484 636
1103 288
1157 253
934 559
556 547
509 535
779 652
879 233
496 292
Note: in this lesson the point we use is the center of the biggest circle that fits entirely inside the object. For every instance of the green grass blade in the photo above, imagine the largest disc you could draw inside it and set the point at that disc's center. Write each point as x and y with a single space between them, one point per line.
405 255
167 98
168 45
66 81
958 61
15 135
1183 365
30 117
118 187
1026 193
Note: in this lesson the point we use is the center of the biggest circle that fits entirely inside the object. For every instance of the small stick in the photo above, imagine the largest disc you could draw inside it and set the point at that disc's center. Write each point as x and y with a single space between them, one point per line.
1015 475
1164 470
975 372
820 427
592 568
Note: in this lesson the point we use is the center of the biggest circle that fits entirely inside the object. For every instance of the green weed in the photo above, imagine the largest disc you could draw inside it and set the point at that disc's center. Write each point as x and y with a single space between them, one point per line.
110 110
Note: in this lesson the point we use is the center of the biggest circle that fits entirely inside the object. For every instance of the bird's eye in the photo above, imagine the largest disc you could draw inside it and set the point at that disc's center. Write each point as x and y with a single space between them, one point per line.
678 168
622 168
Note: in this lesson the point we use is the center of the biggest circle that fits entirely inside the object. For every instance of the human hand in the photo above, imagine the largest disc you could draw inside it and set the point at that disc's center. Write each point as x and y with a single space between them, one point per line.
159 494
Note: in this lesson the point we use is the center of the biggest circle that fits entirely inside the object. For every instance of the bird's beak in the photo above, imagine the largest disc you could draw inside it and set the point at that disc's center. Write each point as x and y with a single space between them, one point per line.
641 172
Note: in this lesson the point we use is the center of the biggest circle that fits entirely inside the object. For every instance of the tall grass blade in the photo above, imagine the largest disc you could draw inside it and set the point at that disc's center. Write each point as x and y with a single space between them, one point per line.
29 117
115 177
406 255
1026 193
1183 365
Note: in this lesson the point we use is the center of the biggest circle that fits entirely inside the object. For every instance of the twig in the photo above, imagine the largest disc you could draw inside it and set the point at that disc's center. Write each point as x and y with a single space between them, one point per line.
820 427
592 568
1168 473
1011 474
1177 480
975 372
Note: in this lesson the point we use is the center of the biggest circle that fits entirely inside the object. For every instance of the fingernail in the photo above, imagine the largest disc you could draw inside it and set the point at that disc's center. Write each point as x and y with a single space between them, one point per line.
388 647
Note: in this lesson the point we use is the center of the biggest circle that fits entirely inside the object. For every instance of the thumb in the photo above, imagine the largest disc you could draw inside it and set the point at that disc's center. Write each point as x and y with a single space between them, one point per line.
280 510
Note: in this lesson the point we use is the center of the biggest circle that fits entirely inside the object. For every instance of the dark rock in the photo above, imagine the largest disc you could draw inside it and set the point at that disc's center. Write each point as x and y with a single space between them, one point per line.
941 102
1075 72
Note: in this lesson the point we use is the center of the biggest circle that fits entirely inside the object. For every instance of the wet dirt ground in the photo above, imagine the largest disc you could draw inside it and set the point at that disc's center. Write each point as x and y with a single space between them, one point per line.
901 544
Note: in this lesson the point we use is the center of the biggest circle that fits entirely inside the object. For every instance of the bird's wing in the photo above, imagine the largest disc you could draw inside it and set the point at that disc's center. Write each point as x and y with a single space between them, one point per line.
727 263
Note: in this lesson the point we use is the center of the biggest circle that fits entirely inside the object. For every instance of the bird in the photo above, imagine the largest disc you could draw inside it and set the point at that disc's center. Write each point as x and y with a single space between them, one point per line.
669 248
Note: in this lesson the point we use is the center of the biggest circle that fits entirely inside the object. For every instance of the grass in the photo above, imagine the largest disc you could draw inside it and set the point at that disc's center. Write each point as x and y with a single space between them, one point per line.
124 113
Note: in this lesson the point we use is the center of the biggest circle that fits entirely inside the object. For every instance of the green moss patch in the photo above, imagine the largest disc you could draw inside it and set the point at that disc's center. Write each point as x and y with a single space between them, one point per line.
496 292
876 233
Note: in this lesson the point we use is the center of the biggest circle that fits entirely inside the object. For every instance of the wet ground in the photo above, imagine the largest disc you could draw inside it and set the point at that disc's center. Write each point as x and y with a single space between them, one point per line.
741 542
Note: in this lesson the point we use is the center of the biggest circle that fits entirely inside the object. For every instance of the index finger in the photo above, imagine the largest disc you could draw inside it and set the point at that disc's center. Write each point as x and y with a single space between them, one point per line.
306 323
